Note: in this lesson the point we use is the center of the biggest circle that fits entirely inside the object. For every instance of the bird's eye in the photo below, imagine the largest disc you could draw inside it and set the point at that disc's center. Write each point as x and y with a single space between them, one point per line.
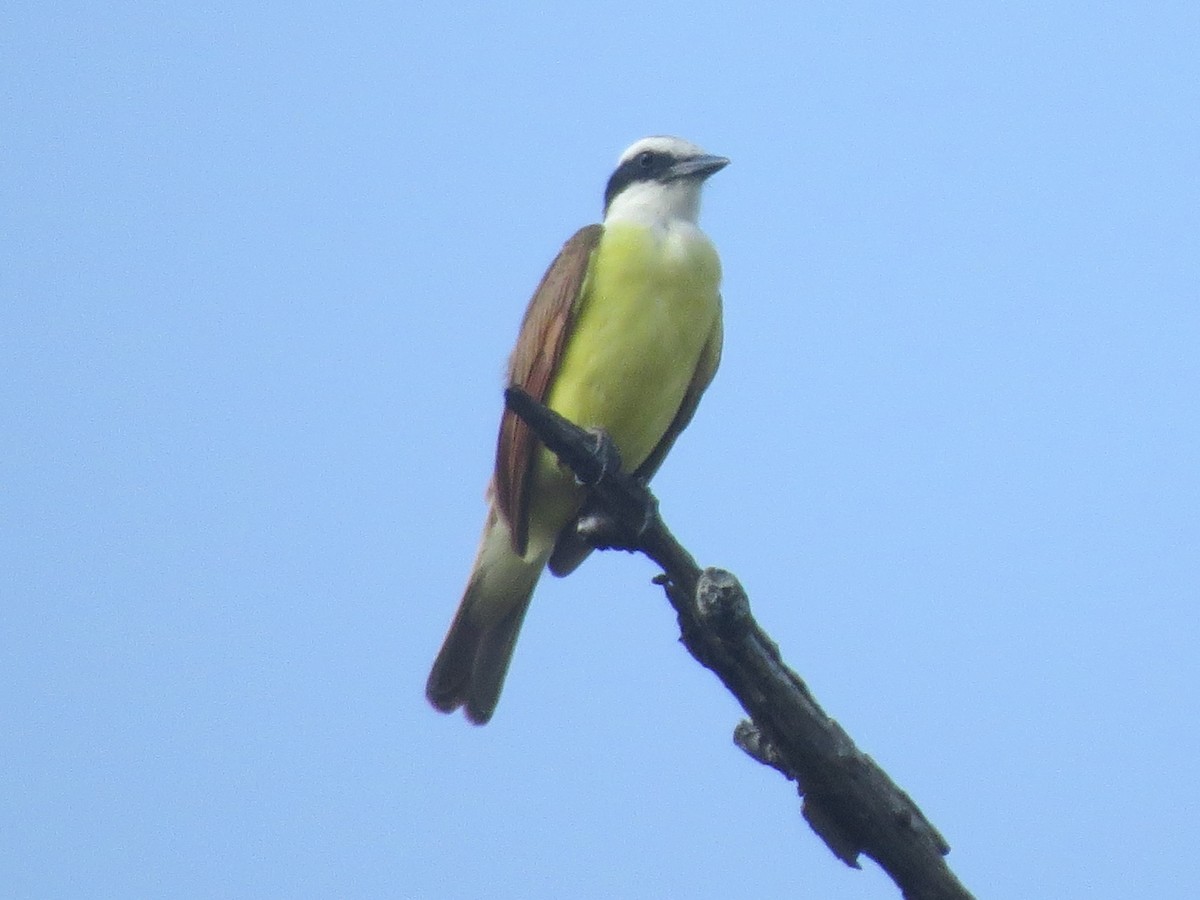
646 159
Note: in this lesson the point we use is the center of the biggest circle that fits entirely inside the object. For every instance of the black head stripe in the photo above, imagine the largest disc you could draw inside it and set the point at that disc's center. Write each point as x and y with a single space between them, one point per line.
649 165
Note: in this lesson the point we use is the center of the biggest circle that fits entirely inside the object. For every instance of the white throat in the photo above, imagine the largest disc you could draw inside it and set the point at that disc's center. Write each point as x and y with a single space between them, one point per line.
656 204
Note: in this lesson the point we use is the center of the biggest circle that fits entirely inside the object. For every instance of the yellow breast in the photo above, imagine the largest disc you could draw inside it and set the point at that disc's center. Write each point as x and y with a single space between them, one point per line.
649 305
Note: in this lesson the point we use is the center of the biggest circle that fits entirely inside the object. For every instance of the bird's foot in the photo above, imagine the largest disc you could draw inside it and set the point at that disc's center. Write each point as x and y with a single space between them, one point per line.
606 531
605 457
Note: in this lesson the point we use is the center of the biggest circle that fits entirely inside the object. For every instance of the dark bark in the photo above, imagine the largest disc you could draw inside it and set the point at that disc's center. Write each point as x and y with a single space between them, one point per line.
848 800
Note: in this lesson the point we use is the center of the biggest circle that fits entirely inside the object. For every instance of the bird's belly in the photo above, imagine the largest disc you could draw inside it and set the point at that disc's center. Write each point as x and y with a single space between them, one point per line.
649 309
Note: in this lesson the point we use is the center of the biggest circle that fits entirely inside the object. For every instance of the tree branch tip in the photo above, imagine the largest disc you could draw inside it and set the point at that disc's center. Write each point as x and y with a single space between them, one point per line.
589 454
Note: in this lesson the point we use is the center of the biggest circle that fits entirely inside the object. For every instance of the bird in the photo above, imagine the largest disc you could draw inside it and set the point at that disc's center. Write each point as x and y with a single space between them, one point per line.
622 334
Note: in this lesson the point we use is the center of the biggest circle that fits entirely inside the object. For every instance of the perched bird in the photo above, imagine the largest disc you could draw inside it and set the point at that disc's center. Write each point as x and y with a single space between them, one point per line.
623 334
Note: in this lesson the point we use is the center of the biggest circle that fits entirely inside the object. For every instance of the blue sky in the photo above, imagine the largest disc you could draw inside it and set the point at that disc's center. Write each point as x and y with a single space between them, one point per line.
261 267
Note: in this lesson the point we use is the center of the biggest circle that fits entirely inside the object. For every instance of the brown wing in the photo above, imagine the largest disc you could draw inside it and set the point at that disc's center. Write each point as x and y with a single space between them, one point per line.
534 361
570 549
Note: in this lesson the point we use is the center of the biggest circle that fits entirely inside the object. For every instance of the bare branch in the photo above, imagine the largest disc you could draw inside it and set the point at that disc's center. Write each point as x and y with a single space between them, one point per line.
848 800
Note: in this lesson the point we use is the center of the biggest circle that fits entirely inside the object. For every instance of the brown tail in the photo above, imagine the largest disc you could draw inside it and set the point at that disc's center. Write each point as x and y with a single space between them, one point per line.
470 668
